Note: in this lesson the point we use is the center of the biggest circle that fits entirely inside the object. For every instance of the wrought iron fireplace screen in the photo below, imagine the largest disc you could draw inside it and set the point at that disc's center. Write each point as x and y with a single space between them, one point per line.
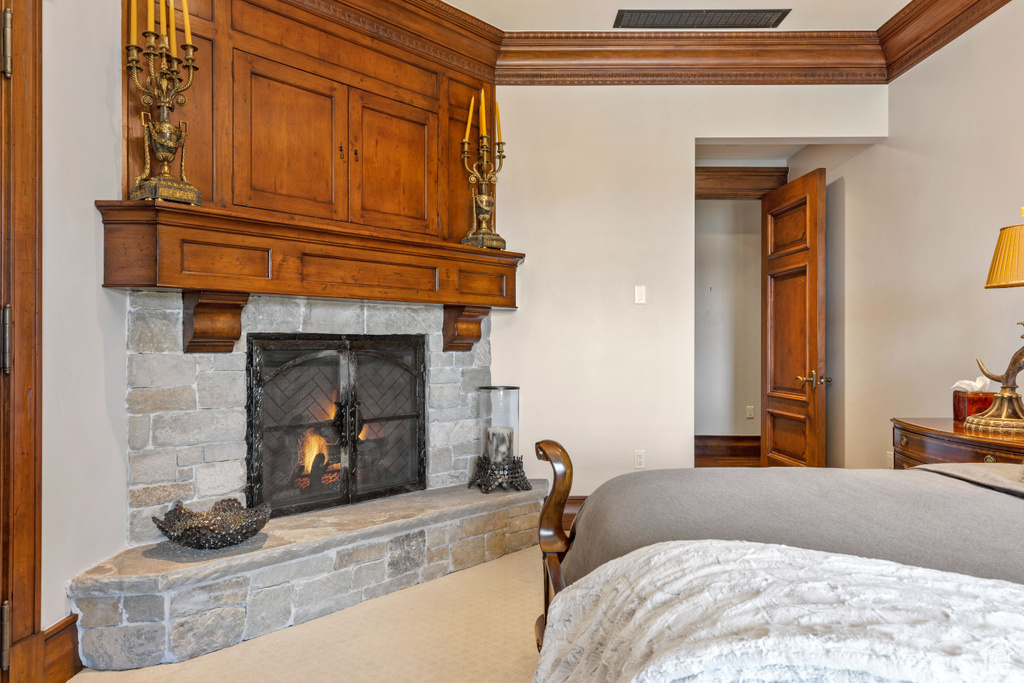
334 419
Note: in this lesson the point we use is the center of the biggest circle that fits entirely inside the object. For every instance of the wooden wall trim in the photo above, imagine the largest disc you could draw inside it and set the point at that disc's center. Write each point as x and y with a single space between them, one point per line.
738 182
699 58
924 26
726 451
427 28
60 650
21 286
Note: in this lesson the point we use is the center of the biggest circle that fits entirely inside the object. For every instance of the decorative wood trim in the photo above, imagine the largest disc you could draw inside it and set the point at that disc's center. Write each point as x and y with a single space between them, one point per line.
60 647
461 328
738 182
180 247
924 26
211 321
705 58
726 451
21 286
427 28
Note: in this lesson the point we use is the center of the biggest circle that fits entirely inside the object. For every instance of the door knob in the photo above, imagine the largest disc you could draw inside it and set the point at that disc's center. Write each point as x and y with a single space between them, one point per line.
813 379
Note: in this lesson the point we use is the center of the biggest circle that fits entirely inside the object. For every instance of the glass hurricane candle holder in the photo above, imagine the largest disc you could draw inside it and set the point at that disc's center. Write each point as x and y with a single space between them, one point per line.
499 408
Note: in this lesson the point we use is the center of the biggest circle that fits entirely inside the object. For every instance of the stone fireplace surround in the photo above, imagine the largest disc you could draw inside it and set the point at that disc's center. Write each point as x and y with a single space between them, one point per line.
186 441
186 411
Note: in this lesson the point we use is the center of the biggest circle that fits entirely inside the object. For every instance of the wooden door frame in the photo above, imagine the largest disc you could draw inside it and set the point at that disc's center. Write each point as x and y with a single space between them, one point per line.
21 511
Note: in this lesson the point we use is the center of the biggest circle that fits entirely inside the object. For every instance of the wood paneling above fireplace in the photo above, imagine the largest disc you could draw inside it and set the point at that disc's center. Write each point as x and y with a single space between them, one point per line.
325 139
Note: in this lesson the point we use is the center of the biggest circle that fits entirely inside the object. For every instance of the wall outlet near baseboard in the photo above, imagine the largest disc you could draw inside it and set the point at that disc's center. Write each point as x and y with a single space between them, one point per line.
639 459
750 412
890 460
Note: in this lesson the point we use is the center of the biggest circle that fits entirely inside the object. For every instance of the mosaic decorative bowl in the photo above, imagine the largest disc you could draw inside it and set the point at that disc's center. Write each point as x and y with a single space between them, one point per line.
227 523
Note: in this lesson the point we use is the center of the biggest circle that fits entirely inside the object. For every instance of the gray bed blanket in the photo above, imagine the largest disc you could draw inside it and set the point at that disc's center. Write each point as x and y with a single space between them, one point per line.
964 519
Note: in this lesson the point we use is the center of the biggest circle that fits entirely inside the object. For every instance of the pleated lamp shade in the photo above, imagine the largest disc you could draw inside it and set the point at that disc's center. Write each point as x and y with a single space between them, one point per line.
1007 268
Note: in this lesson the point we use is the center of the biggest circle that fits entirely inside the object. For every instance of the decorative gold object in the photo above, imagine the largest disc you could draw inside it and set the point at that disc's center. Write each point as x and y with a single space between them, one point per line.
483 173
163 88
1006 414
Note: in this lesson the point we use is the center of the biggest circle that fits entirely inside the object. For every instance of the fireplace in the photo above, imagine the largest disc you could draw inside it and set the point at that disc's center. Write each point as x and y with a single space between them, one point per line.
334 419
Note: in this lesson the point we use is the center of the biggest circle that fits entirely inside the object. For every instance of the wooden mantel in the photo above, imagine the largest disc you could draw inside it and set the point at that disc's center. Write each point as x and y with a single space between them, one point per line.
217 258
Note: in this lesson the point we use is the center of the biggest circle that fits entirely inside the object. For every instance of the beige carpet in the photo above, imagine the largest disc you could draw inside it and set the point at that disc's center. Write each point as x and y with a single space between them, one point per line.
474 626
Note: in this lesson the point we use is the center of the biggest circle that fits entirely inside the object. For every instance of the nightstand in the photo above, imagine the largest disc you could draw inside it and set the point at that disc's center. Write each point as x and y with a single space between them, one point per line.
920 441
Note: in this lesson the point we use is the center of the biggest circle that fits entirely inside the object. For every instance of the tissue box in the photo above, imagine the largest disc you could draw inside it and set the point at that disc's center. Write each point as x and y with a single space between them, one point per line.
970 402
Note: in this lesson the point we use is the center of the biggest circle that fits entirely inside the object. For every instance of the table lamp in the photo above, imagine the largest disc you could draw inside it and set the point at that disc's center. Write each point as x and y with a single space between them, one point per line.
1006 415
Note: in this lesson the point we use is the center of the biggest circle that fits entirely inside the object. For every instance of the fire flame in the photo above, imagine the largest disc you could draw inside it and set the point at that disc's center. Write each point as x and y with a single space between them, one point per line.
363 432
312 443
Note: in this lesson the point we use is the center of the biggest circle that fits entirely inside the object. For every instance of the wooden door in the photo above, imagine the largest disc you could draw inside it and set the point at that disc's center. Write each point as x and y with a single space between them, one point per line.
394 164
290 140
793 323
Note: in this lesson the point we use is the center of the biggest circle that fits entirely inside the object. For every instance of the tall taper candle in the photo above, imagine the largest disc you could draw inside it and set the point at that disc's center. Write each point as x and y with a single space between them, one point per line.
163 18
133 23
188 26
149 17
173 33
497 118
469 119
483 113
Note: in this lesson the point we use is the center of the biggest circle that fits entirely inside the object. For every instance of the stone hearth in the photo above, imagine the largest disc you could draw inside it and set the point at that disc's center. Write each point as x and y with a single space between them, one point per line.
165 603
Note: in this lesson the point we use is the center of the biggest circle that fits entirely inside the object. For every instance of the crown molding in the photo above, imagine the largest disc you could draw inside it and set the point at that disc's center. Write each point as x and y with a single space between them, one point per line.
924 26
692 58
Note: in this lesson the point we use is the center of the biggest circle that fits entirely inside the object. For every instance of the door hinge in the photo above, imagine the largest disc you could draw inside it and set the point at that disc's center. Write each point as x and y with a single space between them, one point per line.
6 38
5 322
5 635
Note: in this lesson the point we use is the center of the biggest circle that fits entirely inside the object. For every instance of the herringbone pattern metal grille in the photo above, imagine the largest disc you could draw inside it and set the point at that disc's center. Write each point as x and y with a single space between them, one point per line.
385 389
304 393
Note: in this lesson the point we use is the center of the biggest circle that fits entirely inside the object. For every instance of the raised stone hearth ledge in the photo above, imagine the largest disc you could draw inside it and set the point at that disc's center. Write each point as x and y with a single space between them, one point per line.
164 603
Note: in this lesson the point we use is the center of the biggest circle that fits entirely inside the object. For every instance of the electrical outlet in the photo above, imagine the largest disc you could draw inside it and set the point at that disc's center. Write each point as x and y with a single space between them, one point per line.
890 460
639 459
750 412
640 294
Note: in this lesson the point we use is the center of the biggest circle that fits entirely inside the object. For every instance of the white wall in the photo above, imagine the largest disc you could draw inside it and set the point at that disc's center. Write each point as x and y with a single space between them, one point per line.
912 224
727 317
598 192
84 491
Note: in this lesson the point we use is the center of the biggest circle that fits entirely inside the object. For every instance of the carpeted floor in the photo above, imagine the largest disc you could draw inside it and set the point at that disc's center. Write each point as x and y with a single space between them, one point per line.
474 626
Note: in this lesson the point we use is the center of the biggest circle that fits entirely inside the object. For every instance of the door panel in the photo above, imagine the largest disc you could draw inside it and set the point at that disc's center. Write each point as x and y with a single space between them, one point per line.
793 323
460 192
394 164
290 139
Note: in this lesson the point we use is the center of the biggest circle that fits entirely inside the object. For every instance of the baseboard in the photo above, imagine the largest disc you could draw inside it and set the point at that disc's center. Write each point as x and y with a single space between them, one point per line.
572 506
727 451
60 650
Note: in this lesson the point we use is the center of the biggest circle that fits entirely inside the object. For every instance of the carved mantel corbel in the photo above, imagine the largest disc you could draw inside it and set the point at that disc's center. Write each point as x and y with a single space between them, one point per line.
211 321
461 327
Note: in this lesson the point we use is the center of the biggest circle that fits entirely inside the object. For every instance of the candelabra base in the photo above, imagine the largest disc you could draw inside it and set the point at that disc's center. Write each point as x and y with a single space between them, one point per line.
489 240
170 189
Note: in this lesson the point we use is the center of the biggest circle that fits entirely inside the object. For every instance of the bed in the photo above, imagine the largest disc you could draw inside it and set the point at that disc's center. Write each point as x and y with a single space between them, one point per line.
785 574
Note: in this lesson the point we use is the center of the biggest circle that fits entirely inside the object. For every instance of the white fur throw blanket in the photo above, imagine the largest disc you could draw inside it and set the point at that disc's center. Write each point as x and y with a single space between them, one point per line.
732 610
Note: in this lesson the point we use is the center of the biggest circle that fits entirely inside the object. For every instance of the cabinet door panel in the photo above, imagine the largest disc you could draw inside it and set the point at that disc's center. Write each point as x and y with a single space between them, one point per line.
460 192
394 164
289 131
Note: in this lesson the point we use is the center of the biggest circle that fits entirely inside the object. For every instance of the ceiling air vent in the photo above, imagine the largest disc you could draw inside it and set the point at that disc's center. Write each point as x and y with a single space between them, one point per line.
699 18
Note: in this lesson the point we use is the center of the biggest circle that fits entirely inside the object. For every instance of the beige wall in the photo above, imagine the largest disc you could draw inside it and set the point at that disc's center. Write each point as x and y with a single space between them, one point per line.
727 317
912 224
598 191
84 491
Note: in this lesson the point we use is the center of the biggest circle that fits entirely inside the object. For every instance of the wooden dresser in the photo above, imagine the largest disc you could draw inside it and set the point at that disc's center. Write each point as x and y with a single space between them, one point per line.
919 441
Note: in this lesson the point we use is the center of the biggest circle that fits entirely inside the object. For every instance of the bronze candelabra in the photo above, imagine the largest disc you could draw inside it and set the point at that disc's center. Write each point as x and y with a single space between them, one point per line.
163 88
484 173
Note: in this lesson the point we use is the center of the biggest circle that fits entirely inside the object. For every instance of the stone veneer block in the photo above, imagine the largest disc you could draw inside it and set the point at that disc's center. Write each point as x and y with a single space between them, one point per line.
220 478
481 524
161 370
224 595
161 399
161 493
123 647
99 612
268 610
495 545
198 427
206 632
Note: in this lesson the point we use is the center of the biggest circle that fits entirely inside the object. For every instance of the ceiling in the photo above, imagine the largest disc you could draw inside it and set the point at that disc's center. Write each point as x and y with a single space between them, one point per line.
598 15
